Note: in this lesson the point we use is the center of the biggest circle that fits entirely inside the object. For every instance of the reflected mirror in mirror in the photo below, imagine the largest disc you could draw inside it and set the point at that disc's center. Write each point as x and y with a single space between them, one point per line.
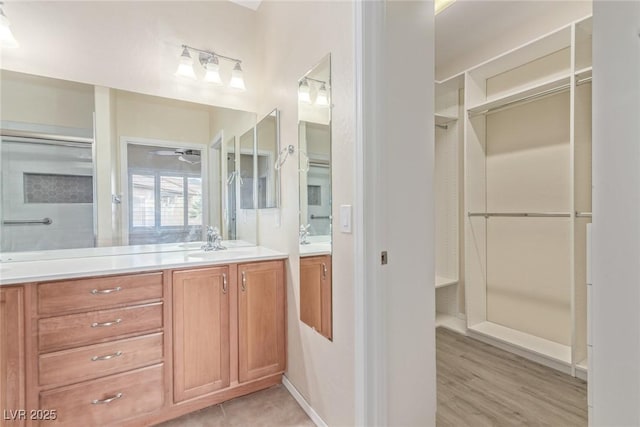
314 144
247 169
267 142
230 189
157 178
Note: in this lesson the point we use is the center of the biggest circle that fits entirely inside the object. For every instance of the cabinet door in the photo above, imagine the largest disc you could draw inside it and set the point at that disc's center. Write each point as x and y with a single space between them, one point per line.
315 293
11 354
310 292
200 332
261 319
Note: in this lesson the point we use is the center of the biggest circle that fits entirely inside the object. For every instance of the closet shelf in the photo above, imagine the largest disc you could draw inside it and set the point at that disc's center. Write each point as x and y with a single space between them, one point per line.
444 120
441 282
528 93
451 322
531 343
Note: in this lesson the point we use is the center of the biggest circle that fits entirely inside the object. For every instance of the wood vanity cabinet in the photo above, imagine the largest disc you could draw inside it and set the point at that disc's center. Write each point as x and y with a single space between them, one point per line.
12 385
139 349
98 349
315 293
261 319
200 332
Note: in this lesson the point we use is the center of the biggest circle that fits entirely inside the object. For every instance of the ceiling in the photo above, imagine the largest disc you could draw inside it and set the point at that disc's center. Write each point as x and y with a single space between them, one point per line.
471 31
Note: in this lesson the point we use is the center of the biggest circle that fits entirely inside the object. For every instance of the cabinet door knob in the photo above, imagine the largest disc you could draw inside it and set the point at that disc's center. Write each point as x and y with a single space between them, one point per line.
244 281
107 400
224 283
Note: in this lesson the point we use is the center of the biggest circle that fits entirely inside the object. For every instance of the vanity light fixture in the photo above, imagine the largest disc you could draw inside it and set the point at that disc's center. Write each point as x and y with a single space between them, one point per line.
185 67
210 61
322 98
304 92
237 80
212 68
6 36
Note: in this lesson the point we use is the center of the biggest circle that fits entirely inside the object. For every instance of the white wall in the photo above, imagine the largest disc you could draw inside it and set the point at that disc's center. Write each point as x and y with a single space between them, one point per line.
134 45
485 24
614 373
295 36
37 100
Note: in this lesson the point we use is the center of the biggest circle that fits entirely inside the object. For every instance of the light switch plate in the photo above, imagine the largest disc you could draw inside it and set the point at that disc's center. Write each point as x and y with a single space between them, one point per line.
345 218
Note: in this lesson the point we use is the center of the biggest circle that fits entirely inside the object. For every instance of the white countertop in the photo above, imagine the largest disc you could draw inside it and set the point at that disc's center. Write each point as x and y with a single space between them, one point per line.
39 255
314 249
56 269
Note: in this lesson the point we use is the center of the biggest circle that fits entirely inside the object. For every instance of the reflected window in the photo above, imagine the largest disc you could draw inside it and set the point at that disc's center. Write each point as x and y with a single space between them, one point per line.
143 204
165 195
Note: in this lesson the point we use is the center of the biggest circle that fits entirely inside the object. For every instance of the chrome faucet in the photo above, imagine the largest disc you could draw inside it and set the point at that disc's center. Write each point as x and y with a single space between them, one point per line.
214 240
304 234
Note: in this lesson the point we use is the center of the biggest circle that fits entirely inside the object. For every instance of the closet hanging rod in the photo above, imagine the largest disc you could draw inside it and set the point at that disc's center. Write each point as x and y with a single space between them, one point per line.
583 214
583 81
524 99
445 127
522 214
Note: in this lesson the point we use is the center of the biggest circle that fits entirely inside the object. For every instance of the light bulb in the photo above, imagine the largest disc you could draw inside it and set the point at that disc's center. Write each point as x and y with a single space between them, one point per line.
6 36
185 67
213 71
322 98
237 81
304 92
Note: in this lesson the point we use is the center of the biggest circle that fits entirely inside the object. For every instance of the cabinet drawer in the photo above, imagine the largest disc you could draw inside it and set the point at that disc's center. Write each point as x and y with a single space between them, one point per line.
99 292
74 330
85 363
106 401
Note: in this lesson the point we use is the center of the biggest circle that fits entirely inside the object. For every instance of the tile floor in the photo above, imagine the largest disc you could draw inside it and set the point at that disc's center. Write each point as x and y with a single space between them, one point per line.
272 407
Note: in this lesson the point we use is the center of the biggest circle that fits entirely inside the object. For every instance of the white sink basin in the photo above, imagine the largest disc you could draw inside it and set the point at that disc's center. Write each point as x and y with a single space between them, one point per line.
223 253
315 249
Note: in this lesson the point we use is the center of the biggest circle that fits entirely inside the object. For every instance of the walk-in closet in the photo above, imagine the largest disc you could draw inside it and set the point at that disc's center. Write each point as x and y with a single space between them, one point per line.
513 200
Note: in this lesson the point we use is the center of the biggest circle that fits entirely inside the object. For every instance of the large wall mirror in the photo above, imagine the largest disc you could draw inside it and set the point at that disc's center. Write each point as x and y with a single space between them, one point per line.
175 168
314 144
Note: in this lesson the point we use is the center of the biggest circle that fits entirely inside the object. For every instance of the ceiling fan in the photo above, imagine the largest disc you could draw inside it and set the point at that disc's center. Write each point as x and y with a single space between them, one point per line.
188 156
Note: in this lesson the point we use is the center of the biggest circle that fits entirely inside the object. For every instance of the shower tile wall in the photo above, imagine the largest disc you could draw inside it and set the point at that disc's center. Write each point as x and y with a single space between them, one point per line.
51 188
46 181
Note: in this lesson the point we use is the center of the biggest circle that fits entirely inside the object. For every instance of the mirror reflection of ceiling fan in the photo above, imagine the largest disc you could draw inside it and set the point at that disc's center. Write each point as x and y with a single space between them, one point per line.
188 156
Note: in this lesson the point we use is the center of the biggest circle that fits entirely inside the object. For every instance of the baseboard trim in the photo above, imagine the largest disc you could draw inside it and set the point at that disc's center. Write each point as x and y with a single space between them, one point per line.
534 356
306 407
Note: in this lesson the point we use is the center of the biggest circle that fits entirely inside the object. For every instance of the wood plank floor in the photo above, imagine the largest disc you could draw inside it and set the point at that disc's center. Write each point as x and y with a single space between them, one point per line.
480 385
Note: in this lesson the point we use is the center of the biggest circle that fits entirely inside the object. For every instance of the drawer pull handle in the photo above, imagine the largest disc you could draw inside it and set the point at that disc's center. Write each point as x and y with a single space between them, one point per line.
324 270
107 400
244 281
105 324
105 291
106 357
224 283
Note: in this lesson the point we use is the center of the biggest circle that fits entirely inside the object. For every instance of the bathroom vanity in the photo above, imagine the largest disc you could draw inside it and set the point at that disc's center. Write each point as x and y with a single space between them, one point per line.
138 339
